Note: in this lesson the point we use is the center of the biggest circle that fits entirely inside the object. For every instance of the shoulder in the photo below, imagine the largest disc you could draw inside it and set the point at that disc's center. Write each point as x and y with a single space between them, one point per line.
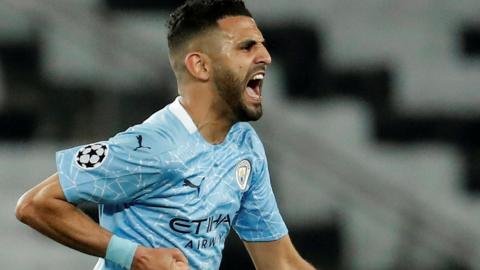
246 135
161 132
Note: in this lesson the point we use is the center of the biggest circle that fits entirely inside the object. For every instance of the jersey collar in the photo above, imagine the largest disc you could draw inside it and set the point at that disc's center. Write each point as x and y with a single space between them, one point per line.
177 109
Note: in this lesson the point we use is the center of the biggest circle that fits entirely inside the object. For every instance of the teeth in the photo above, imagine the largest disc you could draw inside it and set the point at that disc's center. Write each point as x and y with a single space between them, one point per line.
258 77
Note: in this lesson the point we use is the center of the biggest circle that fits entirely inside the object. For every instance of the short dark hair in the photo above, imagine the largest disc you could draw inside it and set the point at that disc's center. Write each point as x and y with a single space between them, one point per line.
195 16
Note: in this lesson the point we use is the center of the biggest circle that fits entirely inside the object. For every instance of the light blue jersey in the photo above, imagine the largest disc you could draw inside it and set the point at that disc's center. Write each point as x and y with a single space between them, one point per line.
160 184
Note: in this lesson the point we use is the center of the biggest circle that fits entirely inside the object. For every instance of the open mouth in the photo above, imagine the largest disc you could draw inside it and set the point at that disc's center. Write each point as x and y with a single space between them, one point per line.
254 87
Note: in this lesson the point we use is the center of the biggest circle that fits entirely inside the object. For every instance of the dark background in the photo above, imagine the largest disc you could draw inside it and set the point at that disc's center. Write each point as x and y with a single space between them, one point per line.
371 120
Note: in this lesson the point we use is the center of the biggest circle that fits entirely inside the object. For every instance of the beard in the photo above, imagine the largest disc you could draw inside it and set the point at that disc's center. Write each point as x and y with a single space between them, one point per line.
230 89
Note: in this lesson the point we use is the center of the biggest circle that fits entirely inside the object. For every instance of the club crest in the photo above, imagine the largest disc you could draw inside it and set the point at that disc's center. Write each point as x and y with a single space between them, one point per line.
243 173
91 156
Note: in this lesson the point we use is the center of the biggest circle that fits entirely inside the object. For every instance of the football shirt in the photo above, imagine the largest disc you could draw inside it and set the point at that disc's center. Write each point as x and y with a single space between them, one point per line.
160 184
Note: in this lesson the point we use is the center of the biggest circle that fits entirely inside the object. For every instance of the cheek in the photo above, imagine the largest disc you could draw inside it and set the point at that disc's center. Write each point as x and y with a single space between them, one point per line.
241 69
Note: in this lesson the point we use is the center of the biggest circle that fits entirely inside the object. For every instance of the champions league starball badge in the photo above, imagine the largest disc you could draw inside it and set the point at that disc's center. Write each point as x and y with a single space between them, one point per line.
243 173
91 156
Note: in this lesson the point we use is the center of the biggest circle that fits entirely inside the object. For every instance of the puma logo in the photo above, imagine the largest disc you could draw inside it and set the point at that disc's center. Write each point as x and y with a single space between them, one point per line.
140 141
188 183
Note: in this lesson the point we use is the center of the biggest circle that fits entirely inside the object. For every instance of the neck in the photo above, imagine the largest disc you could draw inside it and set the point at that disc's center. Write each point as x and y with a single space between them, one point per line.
209 113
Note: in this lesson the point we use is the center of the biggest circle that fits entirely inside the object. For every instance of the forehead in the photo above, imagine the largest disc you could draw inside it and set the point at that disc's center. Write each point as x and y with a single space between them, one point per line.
237 28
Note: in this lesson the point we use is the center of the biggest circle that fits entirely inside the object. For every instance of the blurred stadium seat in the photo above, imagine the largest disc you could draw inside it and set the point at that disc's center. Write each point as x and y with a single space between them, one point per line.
372 121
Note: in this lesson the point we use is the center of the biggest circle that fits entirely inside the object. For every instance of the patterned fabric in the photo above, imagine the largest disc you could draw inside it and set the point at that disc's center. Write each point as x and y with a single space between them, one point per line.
161 184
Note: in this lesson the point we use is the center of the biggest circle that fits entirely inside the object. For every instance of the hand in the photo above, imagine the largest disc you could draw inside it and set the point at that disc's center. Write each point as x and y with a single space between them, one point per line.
159 259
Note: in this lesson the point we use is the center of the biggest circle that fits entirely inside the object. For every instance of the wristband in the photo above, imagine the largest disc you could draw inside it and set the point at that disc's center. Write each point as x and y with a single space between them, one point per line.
121 251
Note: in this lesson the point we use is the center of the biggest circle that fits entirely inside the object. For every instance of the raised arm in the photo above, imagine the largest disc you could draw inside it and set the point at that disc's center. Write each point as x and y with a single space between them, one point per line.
279 254
46 209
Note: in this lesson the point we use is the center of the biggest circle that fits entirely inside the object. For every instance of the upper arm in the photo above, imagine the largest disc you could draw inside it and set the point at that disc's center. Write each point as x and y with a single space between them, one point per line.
120 170
279 254
46 190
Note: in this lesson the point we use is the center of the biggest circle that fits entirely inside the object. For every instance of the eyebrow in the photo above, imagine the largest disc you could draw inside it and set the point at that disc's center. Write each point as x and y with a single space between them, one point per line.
251 42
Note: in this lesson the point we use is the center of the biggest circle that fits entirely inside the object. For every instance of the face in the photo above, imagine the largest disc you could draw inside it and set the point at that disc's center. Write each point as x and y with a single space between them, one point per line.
239 66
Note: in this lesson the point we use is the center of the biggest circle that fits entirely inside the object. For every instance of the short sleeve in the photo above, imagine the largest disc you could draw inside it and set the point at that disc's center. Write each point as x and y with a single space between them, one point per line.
119 170
259 218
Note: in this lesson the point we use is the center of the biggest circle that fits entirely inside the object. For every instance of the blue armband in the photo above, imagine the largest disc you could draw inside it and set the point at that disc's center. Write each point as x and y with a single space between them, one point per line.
121 251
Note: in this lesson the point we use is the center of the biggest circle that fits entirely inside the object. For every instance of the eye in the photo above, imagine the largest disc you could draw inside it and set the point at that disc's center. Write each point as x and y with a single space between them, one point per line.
247 46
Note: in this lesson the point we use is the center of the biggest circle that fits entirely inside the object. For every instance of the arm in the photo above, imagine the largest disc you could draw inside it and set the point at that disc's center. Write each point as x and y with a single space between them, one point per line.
279 254
46 209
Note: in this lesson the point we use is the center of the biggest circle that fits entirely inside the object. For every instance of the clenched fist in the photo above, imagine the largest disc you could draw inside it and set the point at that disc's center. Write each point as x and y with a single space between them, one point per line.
159 259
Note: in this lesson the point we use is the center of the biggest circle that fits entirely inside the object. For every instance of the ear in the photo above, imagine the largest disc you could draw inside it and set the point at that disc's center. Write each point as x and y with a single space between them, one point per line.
198 65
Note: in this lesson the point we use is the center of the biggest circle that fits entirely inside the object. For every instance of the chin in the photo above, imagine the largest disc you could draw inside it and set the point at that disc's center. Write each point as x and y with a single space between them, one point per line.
250 114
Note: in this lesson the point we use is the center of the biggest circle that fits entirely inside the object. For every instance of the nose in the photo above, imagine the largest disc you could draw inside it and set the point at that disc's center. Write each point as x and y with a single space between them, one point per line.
264 56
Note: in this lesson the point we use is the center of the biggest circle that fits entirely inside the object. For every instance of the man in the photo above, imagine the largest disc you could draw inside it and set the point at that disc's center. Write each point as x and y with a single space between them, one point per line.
170 188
